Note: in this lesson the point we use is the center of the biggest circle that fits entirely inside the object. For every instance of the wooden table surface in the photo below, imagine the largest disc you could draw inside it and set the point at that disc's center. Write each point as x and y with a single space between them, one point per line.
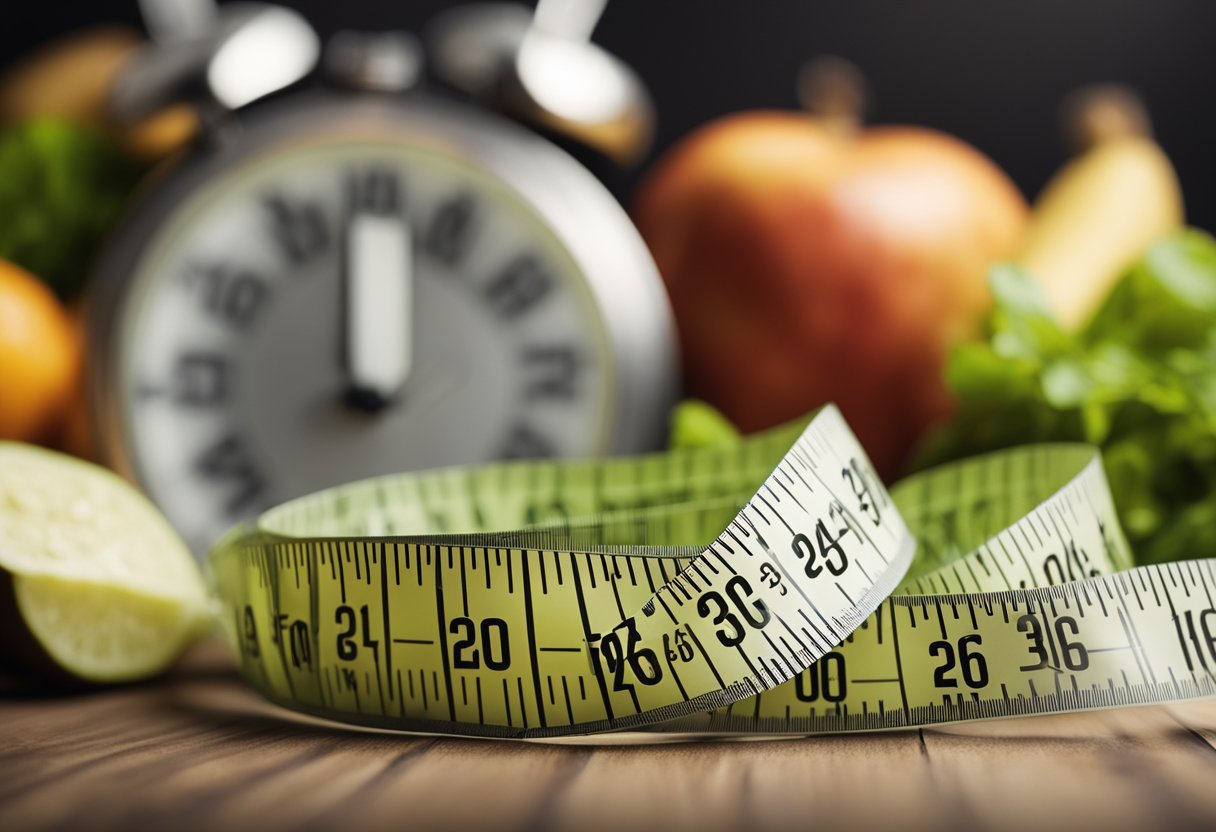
198 751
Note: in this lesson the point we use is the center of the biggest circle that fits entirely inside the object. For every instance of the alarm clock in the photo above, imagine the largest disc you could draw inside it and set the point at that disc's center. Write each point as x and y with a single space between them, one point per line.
342 282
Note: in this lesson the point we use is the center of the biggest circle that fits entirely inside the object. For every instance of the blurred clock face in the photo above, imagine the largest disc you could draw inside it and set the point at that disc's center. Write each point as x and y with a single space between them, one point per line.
336 312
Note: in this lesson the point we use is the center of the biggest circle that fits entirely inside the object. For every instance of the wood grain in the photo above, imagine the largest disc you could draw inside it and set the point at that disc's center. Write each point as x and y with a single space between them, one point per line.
196 751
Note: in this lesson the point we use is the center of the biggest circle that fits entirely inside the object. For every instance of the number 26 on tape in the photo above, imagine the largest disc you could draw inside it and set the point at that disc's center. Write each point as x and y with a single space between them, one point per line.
619 656
968 659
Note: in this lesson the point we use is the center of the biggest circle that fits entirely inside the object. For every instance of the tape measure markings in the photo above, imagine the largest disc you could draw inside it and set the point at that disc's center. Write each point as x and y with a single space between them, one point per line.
626 594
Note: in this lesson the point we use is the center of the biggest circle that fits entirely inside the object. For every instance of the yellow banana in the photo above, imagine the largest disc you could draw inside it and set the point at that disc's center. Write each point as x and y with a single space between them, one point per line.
1098 214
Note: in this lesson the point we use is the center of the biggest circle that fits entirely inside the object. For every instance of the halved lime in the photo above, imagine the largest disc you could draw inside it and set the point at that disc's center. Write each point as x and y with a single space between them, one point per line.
101 582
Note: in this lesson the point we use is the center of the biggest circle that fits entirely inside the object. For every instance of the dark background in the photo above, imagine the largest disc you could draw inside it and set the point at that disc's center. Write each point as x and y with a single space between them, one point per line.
990 71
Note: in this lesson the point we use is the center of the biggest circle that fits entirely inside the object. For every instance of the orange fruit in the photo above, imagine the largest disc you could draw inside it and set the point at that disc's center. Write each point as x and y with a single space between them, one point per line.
39 357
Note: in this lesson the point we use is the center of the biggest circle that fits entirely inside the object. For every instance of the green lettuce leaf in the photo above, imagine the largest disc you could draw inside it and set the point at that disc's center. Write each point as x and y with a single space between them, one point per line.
61 188
1139 380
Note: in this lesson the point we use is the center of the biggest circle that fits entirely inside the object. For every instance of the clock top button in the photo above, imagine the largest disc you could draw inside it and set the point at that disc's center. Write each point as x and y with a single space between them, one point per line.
542 69
219 58
379 62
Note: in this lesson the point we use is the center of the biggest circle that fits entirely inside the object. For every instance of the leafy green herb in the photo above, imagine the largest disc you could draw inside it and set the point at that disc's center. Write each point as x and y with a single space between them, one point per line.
1139 380
61 188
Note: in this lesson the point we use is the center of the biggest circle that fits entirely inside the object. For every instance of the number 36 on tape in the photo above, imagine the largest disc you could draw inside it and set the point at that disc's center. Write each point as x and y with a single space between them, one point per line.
770 588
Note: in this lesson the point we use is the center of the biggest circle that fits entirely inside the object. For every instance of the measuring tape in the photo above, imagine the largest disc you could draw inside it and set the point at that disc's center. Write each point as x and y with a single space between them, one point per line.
770 588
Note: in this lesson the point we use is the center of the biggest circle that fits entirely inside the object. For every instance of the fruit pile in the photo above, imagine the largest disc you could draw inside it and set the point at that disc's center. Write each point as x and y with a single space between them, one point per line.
897 272
65 174
810 260
94 584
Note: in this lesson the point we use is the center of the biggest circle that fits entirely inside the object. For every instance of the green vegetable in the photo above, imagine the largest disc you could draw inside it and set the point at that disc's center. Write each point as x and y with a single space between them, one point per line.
61 188
695 424
1139 380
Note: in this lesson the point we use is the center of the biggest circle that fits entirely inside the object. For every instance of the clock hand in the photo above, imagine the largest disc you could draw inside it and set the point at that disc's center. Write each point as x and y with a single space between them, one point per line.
379 295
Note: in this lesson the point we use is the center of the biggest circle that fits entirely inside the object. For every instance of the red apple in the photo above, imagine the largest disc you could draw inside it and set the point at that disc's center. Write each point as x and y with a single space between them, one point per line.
808 264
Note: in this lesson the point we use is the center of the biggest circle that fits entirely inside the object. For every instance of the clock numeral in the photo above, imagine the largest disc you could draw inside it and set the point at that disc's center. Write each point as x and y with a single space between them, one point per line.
373 191
200 379
519 287
298 228
232 294
449 234
228 461
552 372
523 442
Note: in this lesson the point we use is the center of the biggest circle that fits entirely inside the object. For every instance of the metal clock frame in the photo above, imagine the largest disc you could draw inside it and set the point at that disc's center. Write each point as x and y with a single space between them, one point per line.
595 231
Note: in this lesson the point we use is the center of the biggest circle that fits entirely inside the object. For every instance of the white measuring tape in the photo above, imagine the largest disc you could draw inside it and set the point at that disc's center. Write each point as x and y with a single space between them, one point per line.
709 592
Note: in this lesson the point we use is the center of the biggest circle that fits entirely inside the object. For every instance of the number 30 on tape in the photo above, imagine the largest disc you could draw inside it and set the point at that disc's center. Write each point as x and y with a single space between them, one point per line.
771 588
